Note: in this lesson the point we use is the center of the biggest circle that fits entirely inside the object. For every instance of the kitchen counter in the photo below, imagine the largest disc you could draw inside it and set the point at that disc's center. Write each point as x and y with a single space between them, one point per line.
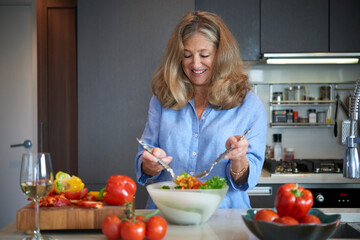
224 224
267 178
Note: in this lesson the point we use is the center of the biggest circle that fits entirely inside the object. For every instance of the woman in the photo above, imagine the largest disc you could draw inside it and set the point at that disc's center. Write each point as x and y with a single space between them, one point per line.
201 106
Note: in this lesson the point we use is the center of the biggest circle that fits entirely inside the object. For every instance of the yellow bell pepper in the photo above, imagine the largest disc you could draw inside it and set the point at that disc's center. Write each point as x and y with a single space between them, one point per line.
96 195
66 183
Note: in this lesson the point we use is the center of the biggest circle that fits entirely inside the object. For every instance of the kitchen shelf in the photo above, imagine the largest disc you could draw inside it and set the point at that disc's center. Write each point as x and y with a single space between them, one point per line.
301 125
302 102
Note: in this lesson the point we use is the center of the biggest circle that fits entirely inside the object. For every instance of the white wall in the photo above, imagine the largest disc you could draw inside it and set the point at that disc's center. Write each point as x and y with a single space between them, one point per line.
307 142
18 98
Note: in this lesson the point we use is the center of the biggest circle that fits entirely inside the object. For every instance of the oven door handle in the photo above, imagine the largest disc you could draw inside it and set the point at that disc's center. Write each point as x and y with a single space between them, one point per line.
260 191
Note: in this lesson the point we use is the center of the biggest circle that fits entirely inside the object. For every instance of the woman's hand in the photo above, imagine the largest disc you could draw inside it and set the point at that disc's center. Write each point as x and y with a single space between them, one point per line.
149 165
239 163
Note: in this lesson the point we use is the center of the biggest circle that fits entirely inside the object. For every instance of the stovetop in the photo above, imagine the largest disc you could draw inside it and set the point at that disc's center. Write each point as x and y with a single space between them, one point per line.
328 166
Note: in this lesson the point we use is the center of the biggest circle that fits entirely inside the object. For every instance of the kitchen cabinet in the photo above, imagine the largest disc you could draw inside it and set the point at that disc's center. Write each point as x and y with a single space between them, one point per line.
344 26
242 18
310 26
294 26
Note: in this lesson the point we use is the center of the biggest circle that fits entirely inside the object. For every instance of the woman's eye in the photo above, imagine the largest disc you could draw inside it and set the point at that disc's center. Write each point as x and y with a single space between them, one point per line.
204 56
187 56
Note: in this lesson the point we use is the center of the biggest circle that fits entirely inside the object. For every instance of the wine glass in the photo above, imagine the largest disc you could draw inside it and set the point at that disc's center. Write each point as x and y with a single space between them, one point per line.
36 180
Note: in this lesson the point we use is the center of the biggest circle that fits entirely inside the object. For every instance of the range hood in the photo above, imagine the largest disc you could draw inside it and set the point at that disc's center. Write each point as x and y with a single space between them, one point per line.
312 58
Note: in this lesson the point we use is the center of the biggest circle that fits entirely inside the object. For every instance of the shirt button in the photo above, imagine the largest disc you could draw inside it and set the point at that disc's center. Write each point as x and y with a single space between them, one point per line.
194 153
192 173
196 135
202 117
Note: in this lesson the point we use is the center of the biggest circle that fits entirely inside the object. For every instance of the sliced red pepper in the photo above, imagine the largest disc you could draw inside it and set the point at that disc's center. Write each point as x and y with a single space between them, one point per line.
89 204
77 194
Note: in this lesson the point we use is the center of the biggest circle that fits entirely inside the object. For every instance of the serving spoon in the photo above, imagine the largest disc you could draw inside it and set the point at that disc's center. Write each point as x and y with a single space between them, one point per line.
161 162
206 172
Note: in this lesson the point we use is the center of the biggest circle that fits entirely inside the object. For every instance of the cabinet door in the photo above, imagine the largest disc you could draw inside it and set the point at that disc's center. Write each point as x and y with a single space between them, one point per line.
242 18
294 26
344 26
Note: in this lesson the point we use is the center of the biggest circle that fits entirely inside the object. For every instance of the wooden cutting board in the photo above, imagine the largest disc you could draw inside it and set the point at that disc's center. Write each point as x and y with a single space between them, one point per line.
69 217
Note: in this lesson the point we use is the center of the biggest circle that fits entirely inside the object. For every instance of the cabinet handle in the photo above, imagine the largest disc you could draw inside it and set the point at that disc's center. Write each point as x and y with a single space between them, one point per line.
26 144
260 191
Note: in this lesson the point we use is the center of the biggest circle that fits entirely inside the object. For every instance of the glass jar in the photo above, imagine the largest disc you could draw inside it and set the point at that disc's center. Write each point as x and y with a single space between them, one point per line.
289 154
297 93
289 93
277 96
312 115
324 93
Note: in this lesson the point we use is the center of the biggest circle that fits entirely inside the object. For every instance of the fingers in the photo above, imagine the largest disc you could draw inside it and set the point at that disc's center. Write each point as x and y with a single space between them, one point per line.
150 165
239 147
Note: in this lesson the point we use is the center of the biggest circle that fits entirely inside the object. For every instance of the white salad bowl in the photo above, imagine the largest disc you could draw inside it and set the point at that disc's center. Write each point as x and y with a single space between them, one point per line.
187 206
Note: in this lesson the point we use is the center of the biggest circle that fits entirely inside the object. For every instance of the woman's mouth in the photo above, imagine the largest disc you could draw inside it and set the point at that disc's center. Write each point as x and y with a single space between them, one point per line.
198 71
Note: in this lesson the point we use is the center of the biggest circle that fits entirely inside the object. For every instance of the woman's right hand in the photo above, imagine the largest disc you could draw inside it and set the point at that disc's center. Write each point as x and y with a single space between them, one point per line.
149 165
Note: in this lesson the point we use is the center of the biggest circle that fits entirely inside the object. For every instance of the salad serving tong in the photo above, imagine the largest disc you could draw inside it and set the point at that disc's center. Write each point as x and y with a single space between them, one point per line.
161 162
206 172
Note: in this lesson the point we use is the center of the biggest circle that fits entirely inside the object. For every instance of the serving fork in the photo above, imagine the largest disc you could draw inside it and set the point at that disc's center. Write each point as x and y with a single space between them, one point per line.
161 162
206 172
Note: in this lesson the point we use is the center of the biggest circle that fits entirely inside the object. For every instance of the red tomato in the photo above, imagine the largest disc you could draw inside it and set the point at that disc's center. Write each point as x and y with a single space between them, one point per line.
111 227
156 228
268 215
287 220
310 219
132 230
77 194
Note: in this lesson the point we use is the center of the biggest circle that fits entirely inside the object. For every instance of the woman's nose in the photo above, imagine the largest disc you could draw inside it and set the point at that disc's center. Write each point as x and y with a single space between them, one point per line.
196 61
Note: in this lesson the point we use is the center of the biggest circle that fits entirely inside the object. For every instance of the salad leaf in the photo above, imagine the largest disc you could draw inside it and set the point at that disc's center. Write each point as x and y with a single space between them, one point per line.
215 182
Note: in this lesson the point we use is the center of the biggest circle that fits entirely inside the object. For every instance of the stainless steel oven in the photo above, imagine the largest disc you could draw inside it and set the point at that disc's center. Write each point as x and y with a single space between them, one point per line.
326 195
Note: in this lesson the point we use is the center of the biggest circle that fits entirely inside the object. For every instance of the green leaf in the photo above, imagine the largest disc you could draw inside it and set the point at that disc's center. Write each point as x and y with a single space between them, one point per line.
215 182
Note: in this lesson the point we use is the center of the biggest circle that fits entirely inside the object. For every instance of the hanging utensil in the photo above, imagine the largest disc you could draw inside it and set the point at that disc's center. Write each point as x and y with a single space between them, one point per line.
336 110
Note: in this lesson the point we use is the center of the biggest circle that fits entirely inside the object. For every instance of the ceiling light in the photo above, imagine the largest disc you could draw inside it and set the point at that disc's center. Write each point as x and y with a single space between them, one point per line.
312 58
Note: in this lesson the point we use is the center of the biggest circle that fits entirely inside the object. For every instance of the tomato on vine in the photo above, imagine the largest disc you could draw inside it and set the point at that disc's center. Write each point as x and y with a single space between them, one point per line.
111 227
132 230
156 228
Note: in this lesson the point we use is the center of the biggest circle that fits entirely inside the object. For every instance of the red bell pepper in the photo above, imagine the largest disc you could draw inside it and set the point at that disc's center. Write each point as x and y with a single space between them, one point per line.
120 189
293 200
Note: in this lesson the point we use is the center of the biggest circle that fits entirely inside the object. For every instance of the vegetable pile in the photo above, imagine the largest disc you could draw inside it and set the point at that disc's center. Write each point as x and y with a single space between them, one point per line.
292 203
68 190
186 181
135 226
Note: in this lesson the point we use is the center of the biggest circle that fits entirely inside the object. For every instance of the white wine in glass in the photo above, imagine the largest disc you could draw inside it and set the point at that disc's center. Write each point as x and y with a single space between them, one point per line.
36 180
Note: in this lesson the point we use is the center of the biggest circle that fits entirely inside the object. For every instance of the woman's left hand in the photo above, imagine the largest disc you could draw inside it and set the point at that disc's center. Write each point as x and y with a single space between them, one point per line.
239 163
239 148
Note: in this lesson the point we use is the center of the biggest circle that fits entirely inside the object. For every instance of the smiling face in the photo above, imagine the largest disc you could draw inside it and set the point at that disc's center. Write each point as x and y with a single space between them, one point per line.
198 60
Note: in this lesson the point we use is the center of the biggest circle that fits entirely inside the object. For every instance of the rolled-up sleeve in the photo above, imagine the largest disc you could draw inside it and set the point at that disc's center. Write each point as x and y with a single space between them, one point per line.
150 136
256 151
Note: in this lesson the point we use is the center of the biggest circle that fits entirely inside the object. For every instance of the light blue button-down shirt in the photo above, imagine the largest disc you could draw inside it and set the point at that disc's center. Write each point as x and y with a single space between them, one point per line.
194 144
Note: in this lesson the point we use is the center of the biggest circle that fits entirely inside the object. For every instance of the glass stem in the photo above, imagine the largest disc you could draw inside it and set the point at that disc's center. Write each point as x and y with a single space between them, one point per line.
37 234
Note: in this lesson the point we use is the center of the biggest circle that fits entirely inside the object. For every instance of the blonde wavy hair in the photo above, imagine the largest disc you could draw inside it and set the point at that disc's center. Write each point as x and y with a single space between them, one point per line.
229 83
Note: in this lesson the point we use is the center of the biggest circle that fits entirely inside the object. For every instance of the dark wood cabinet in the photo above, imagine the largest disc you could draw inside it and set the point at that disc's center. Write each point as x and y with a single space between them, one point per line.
310 26
344 26
242 18
294 26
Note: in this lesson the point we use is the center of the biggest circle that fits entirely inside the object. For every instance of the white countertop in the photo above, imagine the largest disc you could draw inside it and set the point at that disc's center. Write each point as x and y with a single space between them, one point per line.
270 178
224 224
